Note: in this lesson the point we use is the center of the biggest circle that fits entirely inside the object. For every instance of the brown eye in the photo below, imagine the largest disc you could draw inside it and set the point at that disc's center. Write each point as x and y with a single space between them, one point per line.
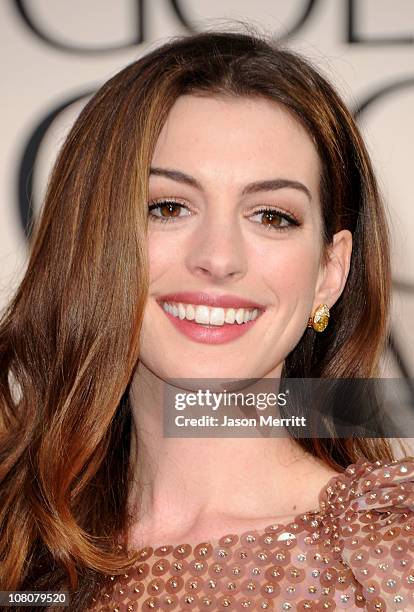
275 219
168 210
272 218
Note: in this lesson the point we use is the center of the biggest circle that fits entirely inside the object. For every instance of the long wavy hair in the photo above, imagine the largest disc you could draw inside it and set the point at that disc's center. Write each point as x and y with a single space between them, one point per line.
69 339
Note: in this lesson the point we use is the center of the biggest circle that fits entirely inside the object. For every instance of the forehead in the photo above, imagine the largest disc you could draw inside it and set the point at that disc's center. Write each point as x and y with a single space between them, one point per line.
236 140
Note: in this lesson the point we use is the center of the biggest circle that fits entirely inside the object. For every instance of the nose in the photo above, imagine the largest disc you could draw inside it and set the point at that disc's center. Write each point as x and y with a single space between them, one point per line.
217 250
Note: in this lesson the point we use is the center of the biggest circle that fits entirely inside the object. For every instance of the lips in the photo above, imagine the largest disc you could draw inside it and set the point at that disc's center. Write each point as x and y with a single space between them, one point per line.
210 299
210 334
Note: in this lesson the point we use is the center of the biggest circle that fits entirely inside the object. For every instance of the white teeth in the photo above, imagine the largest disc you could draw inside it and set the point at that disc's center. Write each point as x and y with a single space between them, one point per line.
202 315
230 315
240 315
181 311
190 312
217 316
206 315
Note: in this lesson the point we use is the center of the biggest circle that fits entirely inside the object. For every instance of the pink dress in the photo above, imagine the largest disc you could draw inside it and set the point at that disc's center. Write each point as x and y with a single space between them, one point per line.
355 552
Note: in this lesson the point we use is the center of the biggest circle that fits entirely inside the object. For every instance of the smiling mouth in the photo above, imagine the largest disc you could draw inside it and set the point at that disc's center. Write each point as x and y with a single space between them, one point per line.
208 316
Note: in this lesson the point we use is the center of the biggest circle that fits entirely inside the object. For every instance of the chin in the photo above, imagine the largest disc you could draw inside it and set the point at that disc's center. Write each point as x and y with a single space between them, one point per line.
211 373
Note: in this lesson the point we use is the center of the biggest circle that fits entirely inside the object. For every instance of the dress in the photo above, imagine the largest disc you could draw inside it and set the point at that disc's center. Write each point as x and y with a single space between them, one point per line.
355 552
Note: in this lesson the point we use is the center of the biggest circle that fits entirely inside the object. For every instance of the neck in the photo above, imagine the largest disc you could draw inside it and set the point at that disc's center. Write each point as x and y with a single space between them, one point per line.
183 486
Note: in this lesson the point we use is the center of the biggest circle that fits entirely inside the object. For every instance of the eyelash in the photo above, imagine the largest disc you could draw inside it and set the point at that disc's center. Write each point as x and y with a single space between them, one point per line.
290 218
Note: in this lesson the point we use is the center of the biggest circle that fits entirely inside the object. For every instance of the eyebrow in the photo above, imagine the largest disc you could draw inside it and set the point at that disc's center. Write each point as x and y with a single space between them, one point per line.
257 186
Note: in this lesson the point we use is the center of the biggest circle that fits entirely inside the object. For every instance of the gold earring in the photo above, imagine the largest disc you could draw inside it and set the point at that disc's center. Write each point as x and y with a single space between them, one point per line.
320 318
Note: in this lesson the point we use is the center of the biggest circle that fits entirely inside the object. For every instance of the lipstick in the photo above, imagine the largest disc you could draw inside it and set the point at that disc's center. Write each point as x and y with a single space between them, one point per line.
206 333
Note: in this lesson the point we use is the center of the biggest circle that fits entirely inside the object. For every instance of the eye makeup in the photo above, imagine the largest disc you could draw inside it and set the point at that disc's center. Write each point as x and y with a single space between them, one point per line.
285 220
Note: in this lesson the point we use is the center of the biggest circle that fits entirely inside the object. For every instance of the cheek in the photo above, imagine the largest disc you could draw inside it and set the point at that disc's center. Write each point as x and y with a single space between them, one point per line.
163 252
289 268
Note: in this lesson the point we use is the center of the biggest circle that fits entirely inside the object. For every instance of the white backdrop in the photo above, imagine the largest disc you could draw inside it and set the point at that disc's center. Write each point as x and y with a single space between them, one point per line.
55 51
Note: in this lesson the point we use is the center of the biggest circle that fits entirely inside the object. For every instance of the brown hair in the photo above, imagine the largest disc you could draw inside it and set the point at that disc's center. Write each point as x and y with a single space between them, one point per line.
69 340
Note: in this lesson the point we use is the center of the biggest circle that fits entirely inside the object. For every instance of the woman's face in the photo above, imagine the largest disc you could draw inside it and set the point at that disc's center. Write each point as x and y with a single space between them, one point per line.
218 162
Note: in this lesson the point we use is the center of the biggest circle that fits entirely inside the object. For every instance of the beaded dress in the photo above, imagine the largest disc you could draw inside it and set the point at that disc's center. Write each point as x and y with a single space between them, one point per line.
356 551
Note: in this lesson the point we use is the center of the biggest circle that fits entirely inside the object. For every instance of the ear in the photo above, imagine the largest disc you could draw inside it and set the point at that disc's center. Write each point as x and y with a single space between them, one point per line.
334 270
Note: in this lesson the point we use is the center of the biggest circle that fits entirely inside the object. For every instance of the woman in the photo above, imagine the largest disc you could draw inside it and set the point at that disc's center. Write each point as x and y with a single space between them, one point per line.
216 183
